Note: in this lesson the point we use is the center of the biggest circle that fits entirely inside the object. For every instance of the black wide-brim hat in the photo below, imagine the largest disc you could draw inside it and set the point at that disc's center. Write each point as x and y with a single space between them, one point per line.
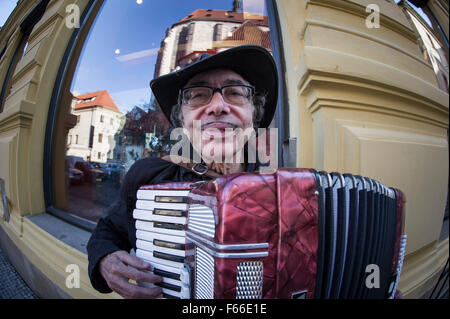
254 63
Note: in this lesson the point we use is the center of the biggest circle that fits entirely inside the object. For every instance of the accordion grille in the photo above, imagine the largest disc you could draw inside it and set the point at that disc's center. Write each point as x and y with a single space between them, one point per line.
204 275
249 280
201 220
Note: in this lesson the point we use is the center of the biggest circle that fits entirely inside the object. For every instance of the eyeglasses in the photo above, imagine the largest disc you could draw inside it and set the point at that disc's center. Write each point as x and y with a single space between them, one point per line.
236 94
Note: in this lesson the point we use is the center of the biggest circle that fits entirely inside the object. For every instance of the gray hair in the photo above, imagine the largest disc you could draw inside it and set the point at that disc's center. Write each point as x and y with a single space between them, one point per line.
259 101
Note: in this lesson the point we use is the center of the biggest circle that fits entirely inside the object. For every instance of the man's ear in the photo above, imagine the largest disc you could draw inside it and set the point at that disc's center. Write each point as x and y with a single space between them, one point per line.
181 118
177 112
255 121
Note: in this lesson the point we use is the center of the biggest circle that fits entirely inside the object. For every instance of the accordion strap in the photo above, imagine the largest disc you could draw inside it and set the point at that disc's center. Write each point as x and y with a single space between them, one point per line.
198 168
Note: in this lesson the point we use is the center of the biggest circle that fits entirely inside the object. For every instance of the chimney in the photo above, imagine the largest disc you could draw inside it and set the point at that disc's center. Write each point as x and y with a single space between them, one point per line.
237 6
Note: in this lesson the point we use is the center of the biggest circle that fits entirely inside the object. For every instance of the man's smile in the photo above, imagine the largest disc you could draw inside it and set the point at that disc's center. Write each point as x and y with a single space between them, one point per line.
218 125
213 129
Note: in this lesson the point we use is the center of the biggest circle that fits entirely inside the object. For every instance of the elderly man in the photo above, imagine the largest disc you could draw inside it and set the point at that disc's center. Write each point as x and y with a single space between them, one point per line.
218 96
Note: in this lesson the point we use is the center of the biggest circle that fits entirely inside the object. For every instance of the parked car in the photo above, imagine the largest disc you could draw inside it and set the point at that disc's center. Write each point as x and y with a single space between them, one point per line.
105 168
117 171
75 176
71 160
91 174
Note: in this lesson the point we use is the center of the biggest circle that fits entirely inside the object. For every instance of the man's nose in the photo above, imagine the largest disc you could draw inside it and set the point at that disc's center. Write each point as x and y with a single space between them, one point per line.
218 106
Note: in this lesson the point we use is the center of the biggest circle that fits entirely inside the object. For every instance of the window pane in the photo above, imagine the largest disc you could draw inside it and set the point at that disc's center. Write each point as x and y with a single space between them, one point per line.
115 114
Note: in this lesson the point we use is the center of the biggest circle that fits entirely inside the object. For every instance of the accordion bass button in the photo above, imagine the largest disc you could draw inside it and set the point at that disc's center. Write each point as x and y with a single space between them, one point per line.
185 292
185 275
185 279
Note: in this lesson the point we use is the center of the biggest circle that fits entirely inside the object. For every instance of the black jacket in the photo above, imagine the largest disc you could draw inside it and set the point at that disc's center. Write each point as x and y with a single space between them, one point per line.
117 231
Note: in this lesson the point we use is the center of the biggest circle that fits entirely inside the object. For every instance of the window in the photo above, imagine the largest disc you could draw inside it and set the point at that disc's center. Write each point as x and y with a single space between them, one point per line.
110 80
26 26
7 84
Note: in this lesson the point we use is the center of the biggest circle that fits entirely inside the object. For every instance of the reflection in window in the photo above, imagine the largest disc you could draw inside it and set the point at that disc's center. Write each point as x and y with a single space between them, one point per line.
115 114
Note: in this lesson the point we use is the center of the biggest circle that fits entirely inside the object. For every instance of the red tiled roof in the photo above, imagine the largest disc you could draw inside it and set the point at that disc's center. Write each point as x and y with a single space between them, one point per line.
194 56
248 33
224 15
102 98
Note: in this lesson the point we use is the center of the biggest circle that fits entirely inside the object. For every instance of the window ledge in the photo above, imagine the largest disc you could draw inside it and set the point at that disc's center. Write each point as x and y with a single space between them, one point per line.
67 233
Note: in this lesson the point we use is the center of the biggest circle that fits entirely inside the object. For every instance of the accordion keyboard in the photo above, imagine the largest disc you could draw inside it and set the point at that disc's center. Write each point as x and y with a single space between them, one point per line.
160 238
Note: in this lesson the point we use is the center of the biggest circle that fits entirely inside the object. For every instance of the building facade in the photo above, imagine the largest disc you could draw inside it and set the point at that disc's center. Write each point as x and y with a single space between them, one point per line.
437 12
209 31
98 121
433 48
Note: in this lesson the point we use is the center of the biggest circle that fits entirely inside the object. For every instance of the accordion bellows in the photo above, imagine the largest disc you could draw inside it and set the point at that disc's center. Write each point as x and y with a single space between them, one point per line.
296 233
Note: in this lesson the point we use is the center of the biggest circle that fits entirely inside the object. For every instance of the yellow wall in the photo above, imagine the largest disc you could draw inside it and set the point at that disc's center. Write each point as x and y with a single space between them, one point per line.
22 136
362 101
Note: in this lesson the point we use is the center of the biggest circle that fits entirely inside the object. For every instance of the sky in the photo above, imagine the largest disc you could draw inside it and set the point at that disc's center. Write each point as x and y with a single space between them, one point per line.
6 7
120 54
421 13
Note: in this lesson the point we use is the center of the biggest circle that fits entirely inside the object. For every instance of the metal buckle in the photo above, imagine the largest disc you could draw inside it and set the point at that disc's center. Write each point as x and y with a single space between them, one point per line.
200 169
198 184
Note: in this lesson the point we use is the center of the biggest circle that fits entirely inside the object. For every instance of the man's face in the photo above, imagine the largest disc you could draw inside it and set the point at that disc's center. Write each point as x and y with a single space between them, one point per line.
218 119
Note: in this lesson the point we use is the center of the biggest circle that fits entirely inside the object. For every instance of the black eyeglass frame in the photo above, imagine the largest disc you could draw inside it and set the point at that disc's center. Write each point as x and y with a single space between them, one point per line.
214 90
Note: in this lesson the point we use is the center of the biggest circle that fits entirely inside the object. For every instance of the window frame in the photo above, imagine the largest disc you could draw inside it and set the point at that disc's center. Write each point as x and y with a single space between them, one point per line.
5 47
287 148
281 114
52 117
7 82
26 26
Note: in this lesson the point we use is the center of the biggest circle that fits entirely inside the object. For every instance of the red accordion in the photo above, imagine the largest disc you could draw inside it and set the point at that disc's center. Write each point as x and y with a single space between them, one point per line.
296 233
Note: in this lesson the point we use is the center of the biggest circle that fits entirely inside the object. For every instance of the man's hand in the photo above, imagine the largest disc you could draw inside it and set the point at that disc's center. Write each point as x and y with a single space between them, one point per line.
114 268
